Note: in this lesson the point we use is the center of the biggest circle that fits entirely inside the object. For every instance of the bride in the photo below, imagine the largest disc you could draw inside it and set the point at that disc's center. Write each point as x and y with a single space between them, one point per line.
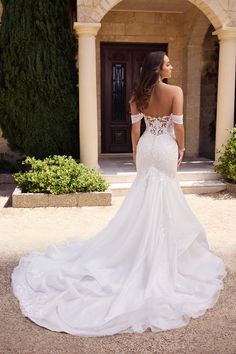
150 267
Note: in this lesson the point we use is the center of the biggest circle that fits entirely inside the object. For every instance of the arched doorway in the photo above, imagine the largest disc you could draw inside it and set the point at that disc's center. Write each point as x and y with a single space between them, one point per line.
127 25
134 26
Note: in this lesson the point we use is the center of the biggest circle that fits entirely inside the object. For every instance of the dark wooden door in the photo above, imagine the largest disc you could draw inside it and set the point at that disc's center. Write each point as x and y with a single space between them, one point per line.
121 64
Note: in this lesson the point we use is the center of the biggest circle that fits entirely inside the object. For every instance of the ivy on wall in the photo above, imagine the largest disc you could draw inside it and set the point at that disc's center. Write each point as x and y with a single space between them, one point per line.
38 78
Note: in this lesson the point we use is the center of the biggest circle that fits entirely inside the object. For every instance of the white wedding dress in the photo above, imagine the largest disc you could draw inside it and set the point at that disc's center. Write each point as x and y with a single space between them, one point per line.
150 267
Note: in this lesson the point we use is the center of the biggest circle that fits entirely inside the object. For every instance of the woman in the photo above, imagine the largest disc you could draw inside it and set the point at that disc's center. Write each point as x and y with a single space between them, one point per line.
151 267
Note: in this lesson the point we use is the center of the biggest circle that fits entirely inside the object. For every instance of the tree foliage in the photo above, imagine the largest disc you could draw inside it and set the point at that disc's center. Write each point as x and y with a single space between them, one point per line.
38 78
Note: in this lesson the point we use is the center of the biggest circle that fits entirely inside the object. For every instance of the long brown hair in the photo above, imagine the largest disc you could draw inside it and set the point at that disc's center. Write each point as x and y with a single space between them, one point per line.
152 65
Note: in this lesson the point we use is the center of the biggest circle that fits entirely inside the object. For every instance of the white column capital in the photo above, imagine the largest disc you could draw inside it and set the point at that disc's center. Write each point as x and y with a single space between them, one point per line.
226 33
89 29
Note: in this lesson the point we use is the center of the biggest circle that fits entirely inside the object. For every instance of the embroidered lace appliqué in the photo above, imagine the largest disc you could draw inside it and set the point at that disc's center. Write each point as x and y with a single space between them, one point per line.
158 125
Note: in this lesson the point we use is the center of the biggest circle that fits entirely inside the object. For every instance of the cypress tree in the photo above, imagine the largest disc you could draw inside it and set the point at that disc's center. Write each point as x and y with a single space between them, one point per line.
38 78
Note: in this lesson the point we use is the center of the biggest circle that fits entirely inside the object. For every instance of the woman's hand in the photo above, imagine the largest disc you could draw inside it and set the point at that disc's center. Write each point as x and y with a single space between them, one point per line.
180 157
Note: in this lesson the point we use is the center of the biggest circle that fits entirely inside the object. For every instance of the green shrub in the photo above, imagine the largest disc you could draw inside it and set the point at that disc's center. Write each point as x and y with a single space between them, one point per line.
57 175
227 166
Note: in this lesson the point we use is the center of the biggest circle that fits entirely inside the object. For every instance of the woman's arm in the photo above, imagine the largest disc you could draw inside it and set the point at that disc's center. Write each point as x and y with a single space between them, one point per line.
135 130
179 128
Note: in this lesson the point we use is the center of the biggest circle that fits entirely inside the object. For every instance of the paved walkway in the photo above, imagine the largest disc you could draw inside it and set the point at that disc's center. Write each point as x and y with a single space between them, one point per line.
24 230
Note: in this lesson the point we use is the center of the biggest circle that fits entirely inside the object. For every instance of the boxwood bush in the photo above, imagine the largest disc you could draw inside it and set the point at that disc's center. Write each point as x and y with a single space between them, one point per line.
227 160
58 175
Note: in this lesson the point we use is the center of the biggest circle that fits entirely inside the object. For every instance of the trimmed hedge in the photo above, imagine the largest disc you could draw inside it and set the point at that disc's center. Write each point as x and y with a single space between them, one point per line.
59 175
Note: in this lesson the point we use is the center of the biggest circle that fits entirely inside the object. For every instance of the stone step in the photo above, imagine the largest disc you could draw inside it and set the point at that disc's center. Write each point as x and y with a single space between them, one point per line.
128 177
201 187
6 178
188 187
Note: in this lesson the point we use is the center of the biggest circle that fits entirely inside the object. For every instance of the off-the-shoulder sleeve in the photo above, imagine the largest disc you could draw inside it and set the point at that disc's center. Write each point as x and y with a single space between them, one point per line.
178 119
136 117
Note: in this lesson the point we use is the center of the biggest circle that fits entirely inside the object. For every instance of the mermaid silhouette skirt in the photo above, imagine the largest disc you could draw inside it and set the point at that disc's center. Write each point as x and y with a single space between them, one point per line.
150 267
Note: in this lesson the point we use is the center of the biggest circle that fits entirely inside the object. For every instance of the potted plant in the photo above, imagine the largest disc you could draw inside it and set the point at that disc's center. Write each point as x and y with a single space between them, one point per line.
227 161
59 181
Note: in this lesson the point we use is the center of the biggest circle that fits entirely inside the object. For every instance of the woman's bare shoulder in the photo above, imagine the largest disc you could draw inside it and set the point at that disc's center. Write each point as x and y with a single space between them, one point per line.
133 106
173 88
175 92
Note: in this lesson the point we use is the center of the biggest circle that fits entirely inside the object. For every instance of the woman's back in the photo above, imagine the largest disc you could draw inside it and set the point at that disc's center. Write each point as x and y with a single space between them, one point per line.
162 101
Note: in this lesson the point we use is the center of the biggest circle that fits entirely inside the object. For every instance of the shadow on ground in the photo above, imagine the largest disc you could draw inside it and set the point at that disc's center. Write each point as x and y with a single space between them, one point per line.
219 195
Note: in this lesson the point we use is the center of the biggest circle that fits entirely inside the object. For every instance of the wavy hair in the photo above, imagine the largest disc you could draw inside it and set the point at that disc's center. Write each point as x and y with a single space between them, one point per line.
152 65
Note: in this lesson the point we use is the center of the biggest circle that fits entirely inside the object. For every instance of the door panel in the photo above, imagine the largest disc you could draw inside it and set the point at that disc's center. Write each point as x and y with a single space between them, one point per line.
120 69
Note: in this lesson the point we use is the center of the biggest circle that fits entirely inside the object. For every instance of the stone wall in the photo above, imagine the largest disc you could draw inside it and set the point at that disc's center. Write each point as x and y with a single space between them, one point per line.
219 12
3 145
6 153
196 27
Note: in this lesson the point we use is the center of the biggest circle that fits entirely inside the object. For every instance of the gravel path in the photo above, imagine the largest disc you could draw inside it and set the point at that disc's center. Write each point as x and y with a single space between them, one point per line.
24 230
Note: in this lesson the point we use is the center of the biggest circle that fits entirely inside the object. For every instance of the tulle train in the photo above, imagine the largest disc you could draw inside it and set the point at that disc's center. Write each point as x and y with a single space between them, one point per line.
151 267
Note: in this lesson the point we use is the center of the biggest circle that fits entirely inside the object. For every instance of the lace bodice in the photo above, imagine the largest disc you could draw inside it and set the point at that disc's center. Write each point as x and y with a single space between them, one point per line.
152 151
159 125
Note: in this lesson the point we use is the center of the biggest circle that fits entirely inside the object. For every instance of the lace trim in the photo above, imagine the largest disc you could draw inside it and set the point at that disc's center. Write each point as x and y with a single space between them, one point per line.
159 117
136 117
178 119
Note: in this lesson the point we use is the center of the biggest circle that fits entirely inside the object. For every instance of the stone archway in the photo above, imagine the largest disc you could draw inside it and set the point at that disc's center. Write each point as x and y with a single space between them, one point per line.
89 15
96 9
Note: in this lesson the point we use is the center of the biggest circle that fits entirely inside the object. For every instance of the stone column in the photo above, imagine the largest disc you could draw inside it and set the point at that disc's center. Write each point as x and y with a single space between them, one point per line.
226 85
88 93
192 99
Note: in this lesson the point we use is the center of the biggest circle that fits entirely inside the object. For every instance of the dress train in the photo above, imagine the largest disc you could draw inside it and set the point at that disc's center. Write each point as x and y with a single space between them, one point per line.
150 267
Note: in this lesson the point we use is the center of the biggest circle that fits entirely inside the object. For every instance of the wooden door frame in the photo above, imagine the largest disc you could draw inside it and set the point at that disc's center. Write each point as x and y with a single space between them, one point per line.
119 45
